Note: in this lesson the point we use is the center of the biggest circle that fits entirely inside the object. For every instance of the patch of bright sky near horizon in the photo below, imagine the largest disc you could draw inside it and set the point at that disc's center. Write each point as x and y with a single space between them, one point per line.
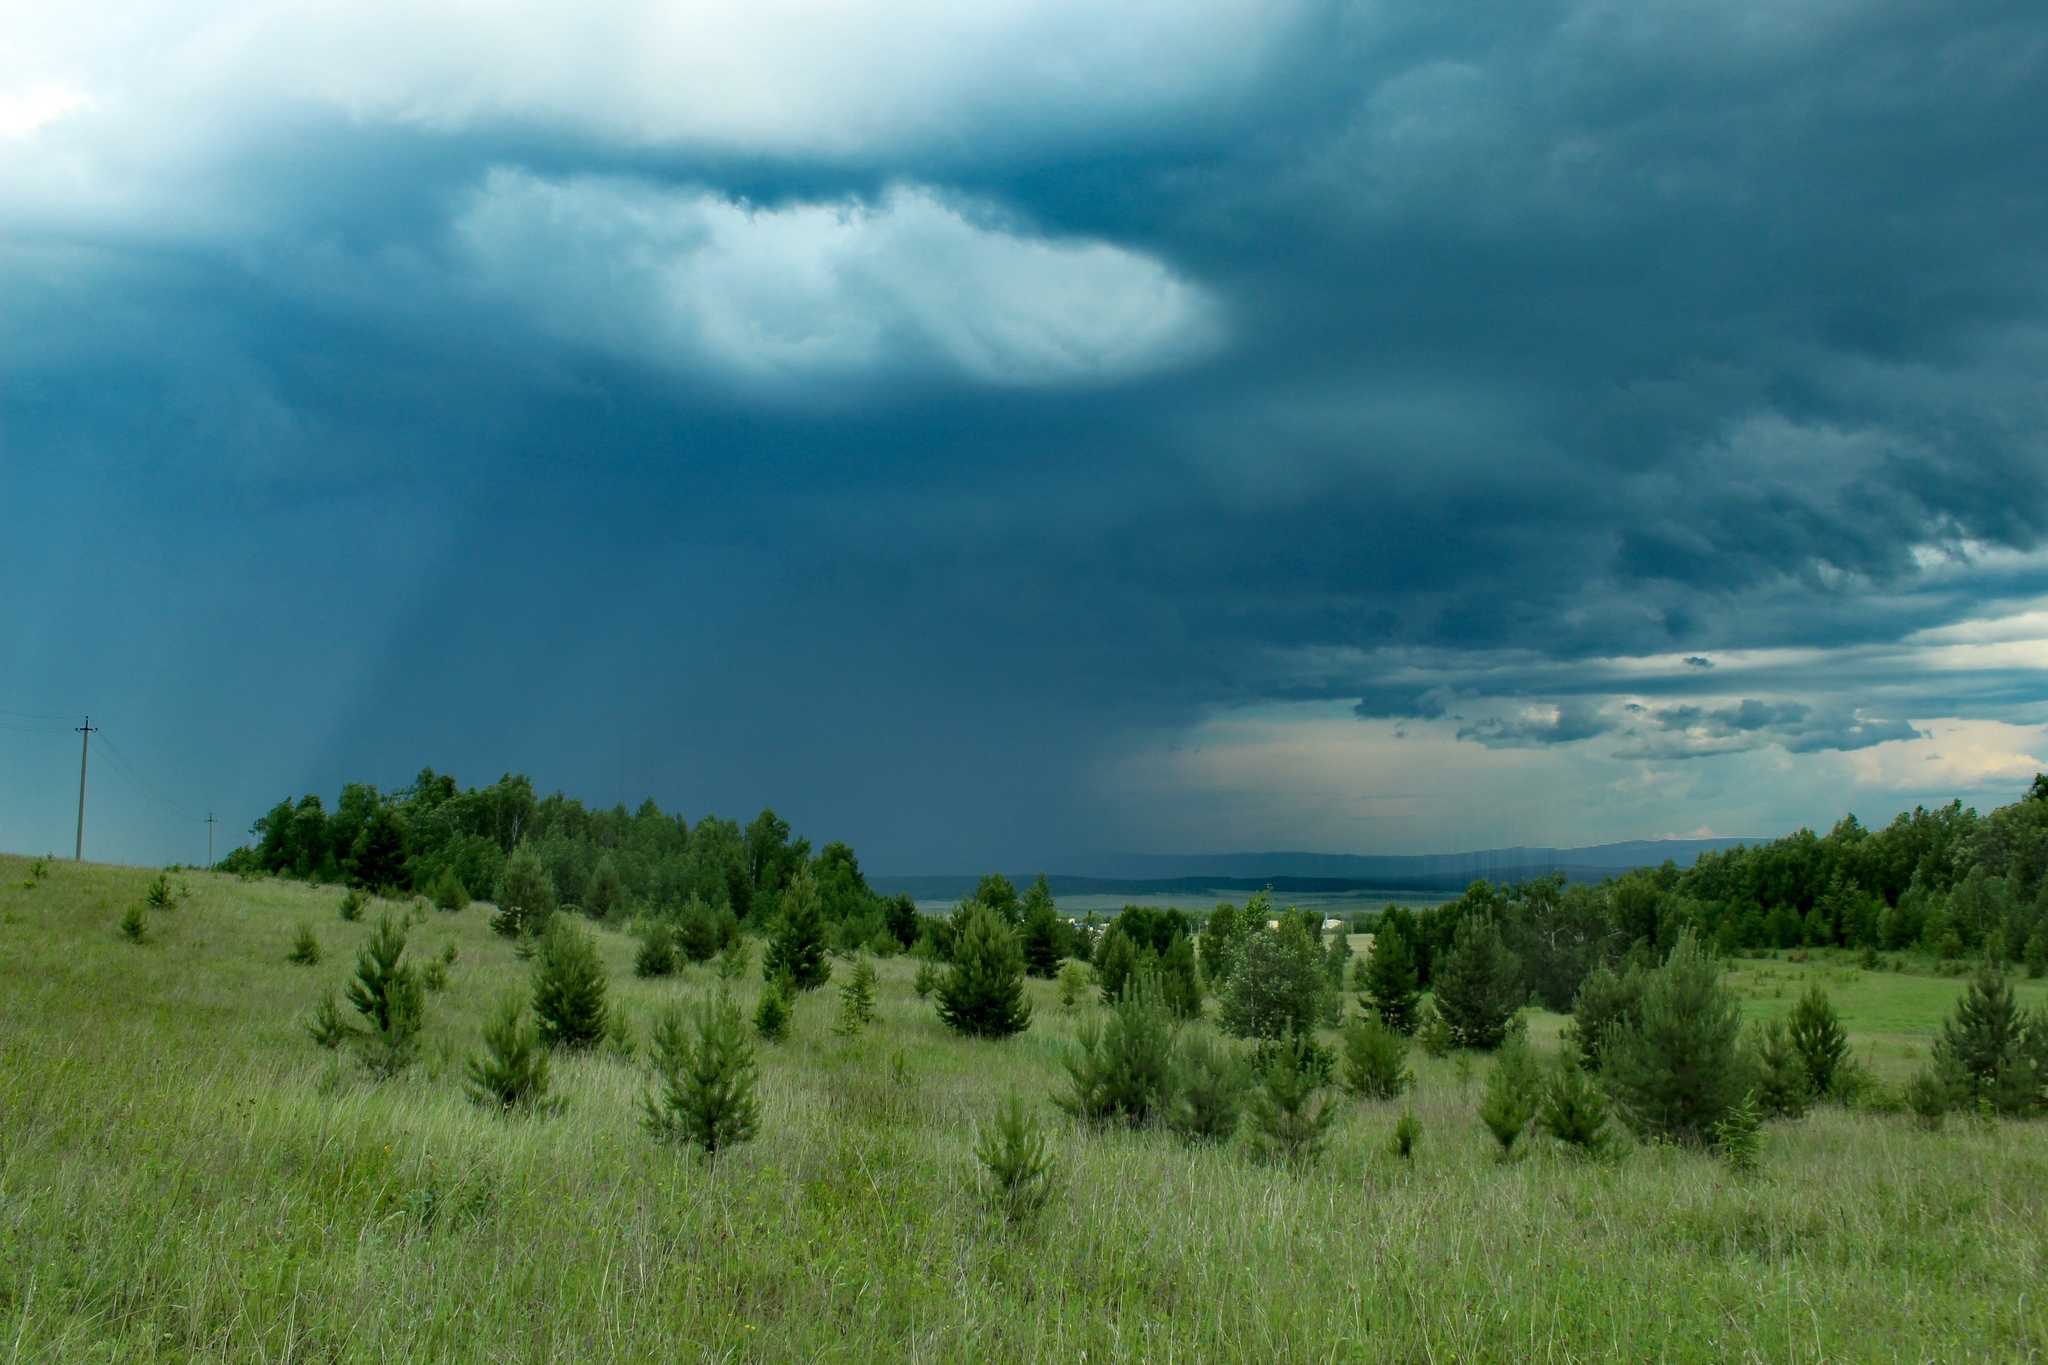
987 433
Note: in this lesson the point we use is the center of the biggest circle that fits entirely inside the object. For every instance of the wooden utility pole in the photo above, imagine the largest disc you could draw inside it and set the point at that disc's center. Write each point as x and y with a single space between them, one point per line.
84 748
209 841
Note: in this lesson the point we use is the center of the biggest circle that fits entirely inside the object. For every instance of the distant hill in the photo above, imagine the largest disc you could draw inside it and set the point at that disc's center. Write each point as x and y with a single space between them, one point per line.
1299 873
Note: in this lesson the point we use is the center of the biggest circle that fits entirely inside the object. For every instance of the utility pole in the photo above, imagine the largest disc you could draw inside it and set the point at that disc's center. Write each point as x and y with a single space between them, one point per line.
209 841
84 748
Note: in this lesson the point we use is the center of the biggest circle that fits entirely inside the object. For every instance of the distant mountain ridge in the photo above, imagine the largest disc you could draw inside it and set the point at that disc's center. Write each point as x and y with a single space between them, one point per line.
1140 873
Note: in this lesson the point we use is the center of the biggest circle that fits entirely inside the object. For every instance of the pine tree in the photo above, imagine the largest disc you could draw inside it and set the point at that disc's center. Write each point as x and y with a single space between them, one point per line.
928 978
1990 1050
512 1071
1818 1038
1208 1085
1375 1060
352 903
604 895
982 993
329 1027
856 999
1015 1158
1407 1132
1121 1067
706 1078
1477 987
525 894
1116 958
305 948
569 988
657 952
1290 1112
1073 980
1386 982
1781 1086
776 1008
386 992
1677 1074
447 891
1180 987
1514 1089
796 945
696 931
1573 1109
1739 1135
1605 1003
1044 934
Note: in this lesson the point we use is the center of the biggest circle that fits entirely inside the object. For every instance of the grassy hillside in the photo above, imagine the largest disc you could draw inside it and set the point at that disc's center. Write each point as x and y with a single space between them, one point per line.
183 1175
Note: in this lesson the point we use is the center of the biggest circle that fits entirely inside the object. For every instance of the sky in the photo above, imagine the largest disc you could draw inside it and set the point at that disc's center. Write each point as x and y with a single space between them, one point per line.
994 433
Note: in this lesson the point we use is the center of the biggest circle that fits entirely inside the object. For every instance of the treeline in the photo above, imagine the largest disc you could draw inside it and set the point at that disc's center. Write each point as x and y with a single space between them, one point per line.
438 839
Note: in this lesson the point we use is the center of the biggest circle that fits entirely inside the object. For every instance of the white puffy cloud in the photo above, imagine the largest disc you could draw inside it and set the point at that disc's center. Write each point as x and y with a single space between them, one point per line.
697 282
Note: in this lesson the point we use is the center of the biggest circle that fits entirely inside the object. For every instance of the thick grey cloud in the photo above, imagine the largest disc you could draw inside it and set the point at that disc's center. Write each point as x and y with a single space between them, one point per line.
894 430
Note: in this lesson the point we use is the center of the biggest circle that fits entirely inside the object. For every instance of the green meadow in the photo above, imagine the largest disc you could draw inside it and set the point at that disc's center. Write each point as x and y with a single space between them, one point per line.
184 1175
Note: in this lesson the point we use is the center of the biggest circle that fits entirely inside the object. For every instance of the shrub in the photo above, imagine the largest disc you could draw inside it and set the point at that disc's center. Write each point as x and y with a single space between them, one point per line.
1990 1051
856 999
1740 1134
796 944
1207 1089
1386 979
1407 1132
604 895
1782 1087
329 1027
1477 987
1289 1111
1573 1110
386 993
982 993
1015 1159
705 1092
525 894
569 988
776 1008
1514 1090
1375 1059
447 891
305 948
1277 988
352 903
1818 1039
657 952
512 1072
135 924
1121 1067
1678 1074
1073 981
1605 1003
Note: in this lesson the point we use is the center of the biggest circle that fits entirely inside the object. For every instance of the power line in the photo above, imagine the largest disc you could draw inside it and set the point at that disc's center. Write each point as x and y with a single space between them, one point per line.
127 769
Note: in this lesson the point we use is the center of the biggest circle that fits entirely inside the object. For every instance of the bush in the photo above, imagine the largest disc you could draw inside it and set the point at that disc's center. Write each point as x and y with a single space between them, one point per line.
657 952
352 903
386 993
305 948
1678 1073
777 1007
796 944
569 988
1605 1003
1514 1090
1289 1112
1207 1089
982 993
1386 979
1375 1059
1276 990
1818 1039
1015 1160
856 999
447 891
1990 1051
512 1072
1781 1085
604 895
705 1091
1477 987
525 894
1573 1110
1121 1067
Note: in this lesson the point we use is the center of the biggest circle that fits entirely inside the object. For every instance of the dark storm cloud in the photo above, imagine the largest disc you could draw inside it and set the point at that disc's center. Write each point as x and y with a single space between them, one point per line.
1431 360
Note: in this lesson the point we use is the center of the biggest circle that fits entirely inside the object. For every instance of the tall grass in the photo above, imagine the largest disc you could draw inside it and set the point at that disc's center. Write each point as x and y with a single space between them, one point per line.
184 1176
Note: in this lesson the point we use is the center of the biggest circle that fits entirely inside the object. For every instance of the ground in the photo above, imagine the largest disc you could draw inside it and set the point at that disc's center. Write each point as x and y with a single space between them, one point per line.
184 1175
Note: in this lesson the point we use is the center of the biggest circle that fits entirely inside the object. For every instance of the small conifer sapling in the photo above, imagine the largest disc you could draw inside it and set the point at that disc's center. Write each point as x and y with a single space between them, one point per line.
512 1070
305 948
705 1077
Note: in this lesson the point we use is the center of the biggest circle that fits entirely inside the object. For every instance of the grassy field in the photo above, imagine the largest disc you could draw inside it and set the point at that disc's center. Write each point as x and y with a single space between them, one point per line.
183 1175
